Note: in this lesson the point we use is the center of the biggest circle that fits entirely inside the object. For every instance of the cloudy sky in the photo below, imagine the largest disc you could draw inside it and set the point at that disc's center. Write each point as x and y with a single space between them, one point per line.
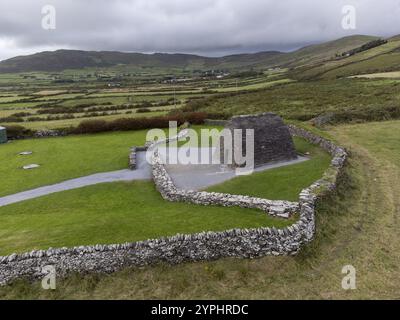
207 27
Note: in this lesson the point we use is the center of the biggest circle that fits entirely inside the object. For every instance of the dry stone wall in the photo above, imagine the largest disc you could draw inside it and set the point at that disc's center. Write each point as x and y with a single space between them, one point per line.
239 243
170 192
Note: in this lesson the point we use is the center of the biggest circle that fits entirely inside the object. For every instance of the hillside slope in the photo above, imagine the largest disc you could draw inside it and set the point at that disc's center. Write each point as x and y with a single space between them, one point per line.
75 59
382 58
320 52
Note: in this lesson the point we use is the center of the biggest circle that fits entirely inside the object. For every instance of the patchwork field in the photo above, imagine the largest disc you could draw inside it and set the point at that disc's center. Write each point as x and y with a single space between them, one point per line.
57 106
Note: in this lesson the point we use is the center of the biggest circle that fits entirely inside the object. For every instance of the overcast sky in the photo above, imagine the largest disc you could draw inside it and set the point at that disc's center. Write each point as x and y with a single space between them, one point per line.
207 27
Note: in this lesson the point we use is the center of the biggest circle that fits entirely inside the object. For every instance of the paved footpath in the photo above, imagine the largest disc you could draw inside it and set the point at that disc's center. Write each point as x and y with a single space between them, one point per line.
143 172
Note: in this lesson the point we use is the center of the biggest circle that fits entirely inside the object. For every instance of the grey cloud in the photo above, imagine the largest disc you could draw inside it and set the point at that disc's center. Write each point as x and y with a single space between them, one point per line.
209 27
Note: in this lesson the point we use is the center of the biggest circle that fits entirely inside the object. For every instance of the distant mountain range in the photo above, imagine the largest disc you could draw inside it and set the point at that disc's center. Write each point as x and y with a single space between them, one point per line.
76 59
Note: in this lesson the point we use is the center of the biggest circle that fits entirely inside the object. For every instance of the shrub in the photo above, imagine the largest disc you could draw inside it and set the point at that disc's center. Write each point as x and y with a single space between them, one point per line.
59 110
22 114
194 105
194 117
143 110
126 124
18 132
219 116
91 126
11 119
370 113
145 104
33 119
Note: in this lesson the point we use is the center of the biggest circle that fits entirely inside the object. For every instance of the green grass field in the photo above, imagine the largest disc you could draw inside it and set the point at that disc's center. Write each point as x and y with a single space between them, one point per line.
119 212
64 158
113 213
358 226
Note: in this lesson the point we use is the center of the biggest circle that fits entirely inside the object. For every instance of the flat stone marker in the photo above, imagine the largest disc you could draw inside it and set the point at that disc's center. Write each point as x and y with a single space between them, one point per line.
30 166
25 153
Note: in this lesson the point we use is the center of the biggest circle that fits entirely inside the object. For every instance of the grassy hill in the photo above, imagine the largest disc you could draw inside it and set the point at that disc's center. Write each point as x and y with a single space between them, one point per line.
321 52
383 58
75 59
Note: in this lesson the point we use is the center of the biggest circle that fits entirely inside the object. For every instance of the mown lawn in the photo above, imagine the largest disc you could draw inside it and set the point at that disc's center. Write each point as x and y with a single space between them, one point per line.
281 183
113 213
64 158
